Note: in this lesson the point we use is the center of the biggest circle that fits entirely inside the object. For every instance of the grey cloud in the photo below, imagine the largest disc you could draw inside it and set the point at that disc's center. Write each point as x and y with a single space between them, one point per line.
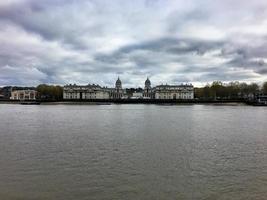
248 58
262 71
224 76
48 19
173 46
80 41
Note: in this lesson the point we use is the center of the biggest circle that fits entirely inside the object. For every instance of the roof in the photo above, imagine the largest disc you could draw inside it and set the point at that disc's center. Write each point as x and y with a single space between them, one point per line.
83 86
118 81
147 82
172 86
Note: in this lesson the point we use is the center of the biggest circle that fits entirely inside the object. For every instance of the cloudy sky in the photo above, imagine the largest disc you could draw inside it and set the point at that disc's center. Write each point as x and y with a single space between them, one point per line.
95 41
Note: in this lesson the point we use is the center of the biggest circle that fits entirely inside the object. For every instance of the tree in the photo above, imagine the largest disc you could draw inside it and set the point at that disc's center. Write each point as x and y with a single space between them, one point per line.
253 88
50 92
233 90
244 90
264 88
216 88
199 93
207 93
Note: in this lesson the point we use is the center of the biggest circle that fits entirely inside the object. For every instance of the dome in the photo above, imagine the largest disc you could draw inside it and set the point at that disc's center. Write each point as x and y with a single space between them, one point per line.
147 82
118 83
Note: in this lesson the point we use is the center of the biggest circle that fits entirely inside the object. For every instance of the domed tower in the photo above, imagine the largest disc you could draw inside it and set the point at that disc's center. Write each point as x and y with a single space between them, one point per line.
147 84
118 84
117 91
147 90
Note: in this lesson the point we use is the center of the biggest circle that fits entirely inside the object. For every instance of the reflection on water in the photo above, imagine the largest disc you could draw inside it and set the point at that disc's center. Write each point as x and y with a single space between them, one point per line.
133 152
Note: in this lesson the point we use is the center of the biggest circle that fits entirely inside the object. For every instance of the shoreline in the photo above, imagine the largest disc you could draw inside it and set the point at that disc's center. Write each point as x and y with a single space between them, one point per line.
131 101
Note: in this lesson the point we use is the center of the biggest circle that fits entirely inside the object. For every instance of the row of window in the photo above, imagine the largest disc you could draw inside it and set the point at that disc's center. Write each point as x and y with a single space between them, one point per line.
174 96
174 88
177 94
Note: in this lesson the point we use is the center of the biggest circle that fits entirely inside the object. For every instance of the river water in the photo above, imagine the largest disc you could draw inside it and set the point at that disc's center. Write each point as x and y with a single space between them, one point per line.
133 152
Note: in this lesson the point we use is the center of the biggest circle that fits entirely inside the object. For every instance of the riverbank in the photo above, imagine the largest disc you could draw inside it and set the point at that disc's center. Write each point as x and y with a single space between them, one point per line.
130 101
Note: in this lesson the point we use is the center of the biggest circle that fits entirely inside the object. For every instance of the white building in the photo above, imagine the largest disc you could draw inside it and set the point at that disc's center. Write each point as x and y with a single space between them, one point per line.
93 91
174 92
117 92
84 92
168 91
159 92
23 95
137 95
148 90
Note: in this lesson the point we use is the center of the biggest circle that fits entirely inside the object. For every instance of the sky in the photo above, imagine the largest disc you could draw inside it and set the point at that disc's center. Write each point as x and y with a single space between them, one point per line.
169 41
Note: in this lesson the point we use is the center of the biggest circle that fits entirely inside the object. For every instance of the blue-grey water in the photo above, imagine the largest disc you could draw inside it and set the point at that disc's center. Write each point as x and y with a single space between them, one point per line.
133 152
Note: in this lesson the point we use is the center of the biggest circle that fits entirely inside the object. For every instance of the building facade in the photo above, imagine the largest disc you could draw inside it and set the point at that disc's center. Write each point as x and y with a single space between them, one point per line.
159 92
261 100
168 91
23 95
93 91
84 92
137 95
148 90
174 92
117 92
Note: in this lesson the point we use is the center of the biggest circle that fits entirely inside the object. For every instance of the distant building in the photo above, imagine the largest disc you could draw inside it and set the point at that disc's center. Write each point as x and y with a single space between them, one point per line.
93 91
23 95
159 92
137 95
84 92
168 91
6 92
174 92
261 99
117 92
148 91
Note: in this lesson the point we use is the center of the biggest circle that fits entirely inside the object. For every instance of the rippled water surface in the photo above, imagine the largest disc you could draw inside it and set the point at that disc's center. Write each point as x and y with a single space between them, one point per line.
133 152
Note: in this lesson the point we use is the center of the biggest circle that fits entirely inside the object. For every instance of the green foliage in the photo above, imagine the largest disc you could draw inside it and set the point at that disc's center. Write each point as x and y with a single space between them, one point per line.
217 90
130 91
50 92
232 90
264 87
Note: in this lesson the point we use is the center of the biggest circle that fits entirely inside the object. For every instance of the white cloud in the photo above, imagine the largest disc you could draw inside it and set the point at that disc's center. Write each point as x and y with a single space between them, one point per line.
60 41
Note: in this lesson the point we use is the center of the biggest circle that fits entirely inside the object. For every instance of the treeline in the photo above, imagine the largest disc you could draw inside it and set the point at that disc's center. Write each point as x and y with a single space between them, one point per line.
130 91
50 92
232 90
216 90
